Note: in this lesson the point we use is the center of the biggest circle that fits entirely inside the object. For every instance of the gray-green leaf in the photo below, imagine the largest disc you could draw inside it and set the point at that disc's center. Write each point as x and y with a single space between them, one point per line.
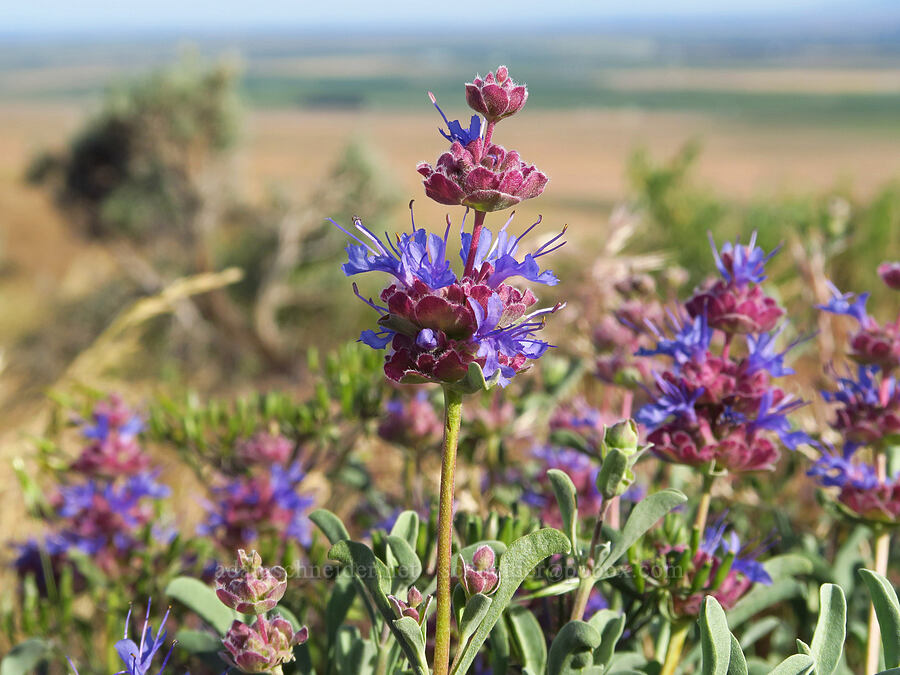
573 648
528 637
24 657
798 664
330 524
565 492
202 600
831 629
644 516
887 609
715 638
520 559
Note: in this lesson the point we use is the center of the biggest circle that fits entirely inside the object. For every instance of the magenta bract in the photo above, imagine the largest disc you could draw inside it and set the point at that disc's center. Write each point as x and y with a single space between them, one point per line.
496 96
484 178
266 644
251 588
890 274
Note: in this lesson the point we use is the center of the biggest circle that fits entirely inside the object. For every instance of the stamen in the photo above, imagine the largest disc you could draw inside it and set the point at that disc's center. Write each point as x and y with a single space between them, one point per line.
543 250
434 102
352 236
365 230
369 302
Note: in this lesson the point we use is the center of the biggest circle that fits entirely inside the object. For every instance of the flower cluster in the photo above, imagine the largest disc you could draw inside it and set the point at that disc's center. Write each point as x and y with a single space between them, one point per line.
619 334
265 449
265 501
439 323
268 643
411 422
720 567
475 172
251 588
866 413
106 514
720 404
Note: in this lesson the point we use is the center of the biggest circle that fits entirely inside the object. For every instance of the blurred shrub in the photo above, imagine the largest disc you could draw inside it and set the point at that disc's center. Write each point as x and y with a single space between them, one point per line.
133 170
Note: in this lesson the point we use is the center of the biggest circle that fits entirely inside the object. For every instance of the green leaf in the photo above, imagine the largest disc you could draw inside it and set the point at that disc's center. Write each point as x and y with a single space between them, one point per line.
412 633
788 565
352 653
330 524
798 664
376 578
339 602
407 526
610 624
612 473
408 566
761 597
715 638
573 648
499 649
643 516
520 559
831 629
737 664
25 657
474 611
528 636
887 609
758 629
565 492
198 641
202 600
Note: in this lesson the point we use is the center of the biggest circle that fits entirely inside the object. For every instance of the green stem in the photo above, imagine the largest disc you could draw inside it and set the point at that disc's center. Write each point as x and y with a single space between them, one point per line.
682 628
586 585
452 419
882 549
676 645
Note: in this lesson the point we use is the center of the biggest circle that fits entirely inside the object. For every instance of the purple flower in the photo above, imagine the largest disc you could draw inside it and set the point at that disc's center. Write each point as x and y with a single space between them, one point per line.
762 355
436 323
843 303
715 543
774 418
263 502
457 133
838 470
500 253
691 341
417 256
138 658
674 399
739 264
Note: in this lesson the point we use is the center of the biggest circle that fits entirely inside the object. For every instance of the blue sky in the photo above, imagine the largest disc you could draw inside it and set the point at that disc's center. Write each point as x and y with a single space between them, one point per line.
65 16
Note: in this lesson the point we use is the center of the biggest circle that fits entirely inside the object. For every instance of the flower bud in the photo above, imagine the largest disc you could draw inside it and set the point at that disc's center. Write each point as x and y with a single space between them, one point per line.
496 96
262 647
481 577
483 558
251 588
622 436
413 607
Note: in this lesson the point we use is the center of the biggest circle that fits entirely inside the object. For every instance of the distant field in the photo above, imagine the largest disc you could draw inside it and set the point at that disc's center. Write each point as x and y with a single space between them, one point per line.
763 78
